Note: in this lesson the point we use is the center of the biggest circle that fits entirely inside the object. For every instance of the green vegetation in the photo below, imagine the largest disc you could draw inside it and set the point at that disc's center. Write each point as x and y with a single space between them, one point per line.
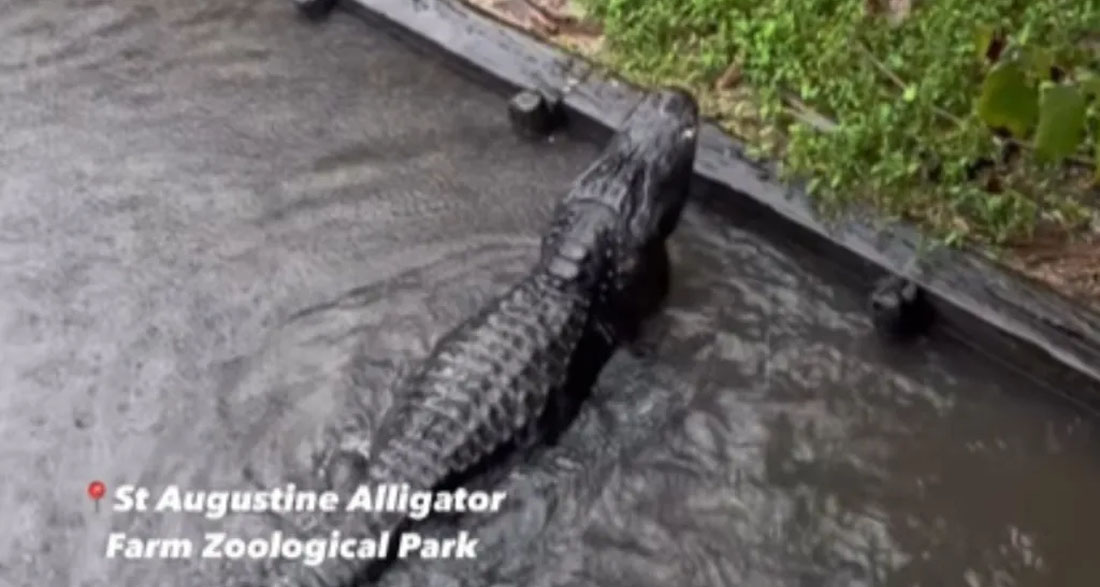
978 120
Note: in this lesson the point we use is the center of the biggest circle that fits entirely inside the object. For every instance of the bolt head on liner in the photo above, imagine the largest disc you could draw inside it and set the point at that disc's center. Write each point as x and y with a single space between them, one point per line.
314 9
534 115
899 309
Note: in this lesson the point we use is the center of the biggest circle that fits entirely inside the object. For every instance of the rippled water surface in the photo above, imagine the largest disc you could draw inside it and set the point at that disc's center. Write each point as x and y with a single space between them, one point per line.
222 229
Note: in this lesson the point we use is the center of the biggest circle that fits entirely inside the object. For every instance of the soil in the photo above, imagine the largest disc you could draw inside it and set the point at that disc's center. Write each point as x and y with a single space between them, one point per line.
559 21
1069 266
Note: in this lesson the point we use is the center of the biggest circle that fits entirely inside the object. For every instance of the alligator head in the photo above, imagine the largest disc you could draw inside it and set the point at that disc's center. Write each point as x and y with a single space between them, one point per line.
644 173
630 199
660 138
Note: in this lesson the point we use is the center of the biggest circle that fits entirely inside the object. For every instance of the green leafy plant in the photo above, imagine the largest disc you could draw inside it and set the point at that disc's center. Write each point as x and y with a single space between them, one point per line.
1061 122
1021 95
1008 100
975 119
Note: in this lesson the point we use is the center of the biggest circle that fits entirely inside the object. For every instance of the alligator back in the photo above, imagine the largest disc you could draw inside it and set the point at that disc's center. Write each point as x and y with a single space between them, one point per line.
496 381
486 384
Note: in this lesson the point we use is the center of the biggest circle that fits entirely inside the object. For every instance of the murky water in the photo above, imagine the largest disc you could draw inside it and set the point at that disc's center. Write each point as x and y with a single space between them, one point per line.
223 229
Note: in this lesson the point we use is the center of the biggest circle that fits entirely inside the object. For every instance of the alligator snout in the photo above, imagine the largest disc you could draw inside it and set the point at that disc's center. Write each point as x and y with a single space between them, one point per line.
668 104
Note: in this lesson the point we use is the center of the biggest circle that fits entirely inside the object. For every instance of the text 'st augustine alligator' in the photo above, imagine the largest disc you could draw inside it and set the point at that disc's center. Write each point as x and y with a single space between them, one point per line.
215 505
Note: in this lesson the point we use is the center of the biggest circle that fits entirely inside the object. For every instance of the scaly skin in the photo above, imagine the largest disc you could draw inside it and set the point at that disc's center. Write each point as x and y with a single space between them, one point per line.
513 374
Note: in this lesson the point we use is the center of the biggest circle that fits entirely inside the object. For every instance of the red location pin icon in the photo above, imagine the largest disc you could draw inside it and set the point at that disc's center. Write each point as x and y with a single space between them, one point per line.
96 491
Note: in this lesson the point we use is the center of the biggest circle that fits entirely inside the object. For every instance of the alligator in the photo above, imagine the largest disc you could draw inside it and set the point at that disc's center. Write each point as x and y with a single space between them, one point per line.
513 375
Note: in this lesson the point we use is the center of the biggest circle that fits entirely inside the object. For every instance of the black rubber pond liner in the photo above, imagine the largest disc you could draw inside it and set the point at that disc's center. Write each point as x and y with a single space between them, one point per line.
1028 328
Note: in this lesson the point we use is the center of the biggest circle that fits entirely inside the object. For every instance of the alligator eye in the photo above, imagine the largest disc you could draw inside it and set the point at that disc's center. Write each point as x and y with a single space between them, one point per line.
689 133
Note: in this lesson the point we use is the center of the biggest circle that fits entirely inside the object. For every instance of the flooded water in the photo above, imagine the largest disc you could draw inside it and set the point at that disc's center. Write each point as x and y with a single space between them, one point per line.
224 231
